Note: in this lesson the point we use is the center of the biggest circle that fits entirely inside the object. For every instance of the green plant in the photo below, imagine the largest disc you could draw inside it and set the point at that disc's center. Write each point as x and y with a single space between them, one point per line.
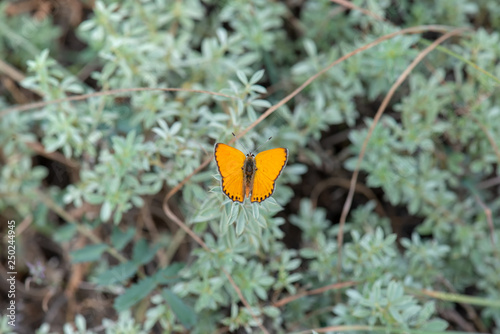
171 253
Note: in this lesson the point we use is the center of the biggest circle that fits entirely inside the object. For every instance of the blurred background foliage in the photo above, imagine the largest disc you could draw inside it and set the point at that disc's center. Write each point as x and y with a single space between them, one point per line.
85 180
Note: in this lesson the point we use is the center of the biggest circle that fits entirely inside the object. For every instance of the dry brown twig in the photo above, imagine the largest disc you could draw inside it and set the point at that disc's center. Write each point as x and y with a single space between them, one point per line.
350 5
317 291
378 115
341 182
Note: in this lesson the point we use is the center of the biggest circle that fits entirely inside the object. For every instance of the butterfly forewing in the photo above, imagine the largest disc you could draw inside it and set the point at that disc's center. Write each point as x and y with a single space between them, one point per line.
230 162
269 165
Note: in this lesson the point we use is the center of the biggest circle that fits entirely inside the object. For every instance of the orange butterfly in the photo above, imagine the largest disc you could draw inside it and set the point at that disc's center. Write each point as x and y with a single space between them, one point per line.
252 175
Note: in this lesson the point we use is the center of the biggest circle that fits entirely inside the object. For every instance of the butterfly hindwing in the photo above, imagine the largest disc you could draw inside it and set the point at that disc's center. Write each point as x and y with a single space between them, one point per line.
269 165
230 162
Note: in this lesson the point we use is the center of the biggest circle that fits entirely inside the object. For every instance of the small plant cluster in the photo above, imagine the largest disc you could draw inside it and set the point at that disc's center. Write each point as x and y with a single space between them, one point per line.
151 233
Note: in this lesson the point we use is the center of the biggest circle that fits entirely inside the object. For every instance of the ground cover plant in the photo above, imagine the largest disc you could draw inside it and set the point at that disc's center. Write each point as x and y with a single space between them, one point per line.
385 218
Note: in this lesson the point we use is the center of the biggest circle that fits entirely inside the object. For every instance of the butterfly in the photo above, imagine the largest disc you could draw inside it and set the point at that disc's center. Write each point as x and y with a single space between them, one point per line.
250 175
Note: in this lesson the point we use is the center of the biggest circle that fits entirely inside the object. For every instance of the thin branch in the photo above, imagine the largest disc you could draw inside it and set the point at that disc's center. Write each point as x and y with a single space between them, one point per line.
343 329
413 30
56 156
350 5
489 219
196 238
11 72
81 229
104 93
378 115
333 286
173 217
341 182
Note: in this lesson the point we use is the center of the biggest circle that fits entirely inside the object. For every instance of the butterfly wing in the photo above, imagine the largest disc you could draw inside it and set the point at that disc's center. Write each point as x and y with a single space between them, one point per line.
230 163
269 165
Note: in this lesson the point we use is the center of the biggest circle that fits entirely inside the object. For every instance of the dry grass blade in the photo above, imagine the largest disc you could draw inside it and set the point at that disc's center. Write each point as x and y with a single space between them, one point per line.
333 286
350 5
41 104
413 30
378 115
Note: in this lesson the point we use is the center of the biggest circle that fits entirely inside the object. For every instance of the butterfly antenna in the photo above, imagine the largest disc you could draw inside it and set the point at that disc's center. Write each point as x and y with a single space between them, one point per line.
241 143
268 139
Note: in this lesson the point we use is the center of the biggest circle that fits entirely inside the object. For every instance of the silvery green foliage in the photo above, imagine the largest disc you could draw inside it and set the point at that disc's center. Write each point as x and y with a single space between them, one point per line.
124 324
387 304
430 155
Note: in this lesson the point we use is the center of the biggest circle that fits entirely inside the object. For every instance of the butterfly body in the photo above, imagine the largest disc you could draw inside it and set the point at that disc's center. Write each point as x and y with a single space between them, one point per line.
249 169
250 175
